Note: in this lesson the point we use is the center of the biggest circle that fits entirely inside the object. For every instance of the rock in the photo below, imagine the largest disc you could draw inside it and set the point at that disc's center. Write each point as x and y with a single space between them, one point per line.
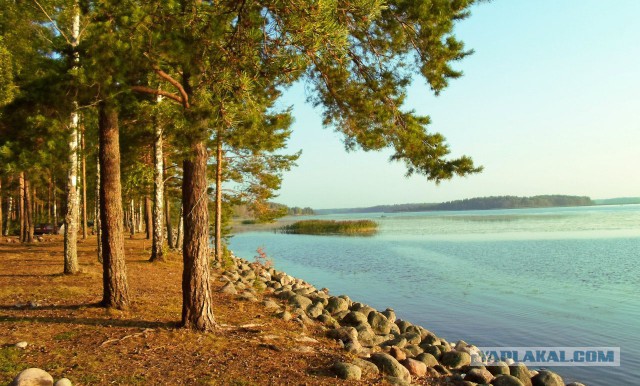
388 365
396 381
328 320
229 288
575 384
379 323
412 337
442 370
482 376
521 372
336 305
506 380
455 359
403 325
390 314
354 318
345 334
22 345
284 315
412 350
433 350
460 345
398 342
415 367
270 305
63 382
347 371
427 359
248 296
366 336
499 368
299 301
397 353
353 347
315 310
33 377
547 378
432 373
368 368
429 339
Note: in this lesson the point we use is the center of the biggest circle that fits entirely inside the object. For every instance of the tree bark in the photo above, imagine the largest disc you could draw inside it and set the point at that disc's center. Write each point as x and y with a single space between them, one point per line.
218 222
23 232
55 207
196 291
28 210
97 223
158 197
179 236
114 275
84 186
7 225
167 210
1 204
148 218
132 219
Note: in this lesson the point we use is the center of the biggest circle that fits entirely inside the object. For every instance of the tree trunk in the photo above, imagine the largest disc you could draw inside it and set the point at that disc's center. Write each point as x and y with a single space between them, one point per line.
97 223
141 215
132 219
218 222
28 210
23 233
148 218
7 225
1 213
49 190
158 196
84 186
196 295
167 210
114 275
55 207
179 236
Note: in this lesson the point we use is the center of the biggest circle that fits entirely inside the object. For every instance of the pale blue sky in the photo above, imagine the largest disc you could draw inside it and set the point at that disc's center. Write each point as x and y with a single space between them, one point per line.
549 104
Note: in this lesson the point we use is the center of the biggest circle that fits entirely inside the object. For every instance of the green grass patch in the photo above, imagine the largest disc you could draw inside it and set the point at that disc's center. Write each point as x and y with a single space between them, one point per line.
332 227
10 364
67 335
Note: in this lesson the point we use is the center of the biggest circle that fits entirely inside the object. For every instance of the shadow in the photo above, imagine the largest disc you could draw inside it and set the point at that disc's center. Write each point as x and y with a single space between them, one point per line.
33 275
52 307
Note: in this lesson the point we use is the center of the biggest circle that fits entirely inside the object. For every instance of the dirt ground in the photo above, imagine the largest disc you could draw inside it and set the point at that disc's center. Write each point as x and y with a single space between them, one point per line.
70 336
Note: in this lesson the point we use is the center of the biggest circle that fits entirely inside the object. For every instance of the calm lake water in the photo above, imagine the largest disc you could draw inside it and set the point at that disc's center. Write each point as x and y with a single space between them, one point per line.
525 277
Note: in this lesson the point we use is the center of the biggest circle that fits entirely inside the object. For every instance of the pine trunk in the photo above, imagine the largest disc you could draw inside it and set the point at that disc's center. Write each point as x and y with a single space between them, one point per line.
7 225
148 218
179 236
55 207
167 210
97 223
23 233
1 204
114 275
132 221
218 222
28 211
196 295
84 187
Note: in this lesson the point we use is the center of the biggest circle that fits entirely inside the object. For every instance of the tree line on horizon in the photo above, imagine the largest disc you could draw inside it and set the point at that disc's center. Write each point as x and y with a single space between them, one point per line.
123 111
477 203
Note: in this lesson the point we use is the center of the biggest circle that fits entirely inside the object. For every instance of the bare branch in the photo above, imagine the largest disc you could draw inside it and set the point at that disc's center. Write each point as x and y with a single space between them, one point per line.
175 83
55 25
153 91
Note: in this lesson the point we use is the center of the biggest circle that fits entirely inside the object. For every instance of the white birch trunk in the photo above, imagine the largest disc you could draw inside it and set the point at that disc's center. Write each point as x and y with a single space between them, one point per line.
158 197
180 230
97 222
71 217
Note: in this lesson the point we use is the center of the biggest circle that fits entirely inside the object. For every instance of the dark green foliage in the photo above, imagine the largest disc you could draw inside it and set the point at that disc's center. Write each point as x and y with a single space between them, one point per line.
331 227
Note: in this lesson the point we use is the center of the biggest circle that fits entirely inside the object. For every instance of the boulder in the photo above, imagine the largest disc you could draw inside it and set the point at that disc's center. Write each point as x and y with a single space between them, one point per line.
397 341
433 350
390 314
229 288
506 380
379 323
366 336
412 337
336 305
388 365
347 371
368 368
315 310
427 359
63 382
413 350
22 345
397 353
521 372
345 334
299 301
430 339
270 305
403 325
547 378
455 359
33 377
415 367
354 318
498 368
284 315
481 376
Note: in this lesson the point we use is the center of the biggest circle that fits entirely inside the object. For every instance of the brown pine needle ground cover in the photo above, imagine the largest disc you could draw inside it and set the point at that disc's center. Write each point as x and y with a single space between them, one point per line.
69 336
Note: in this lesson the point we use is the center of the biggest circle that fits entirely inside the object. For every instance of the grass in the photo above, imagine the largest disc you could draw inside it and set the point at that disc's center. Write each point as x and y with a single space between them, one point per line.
331 227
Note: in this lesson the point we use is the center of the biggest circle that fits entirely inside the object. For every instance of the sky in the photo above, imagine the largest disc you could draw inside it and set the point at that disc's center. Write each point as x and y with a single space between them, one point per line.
549 104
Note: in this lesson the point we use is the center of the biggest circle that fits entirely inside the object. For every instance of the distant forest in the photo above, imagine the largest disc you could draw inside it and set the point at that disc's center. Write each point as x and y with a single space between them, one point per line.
478 203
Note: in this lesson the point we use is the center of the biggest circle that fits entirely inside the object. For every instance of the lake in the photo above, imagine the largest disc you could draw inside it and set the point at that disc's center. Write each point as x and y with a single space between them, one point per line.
521 277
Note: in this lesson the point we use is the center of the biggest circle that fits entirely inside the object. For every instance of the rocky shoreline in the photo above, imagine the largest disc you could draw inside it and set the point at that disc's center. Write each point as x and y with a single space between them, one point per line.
378 342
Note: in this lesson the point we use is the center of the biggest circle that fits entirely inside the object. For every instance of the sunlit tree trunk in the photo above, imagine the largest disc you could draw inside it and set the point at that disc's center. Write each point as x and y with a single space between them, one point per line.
180 233
98 223
218 222
71 215
167 210
23 233
132 221
1 204
28 210
49 209
148 218
55 207
158 196
114 276
84 186
7 225
196 291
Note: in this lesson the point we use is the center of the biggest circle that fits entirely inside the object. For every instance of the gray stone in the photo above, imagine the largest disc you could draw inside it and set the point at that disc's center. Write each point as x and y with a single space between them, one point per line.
336 305
430 339
455 359
396 381
442 370
499 368
388 365
229 288
413 350
460 345
368 368
433 350
397 341
506 380
247 296
63 382
347 371
521 372
33 377
345 334
427 359
379 323
299 301
284 315
390 314
397 353
22 345
412 337
366 335
354 318
270 305
482 376
315 310
328 320
403 325
547 378
417 368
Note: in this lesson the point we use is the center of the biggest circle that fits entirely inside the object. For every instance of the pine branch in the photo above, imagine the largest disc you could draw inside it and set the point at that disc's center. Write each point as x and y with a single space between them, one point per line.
153 91
175 83
55 25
